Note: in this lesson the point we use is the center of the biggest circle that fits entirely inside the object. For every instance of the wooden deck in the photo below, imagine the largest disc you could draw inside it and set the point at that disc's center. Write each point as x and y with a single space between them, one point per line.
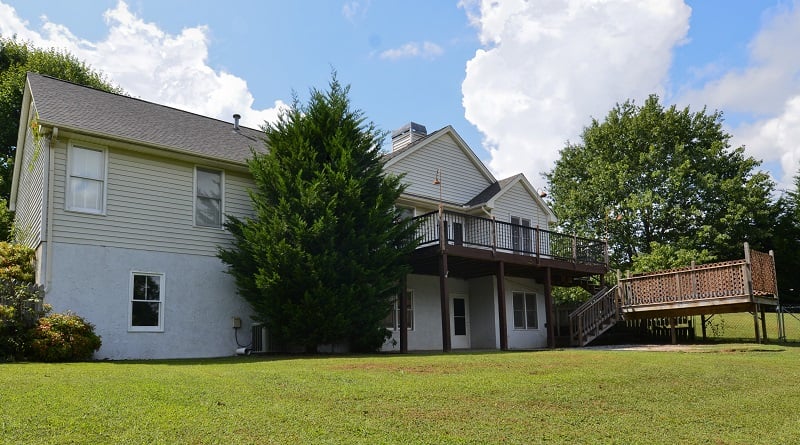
745 285
730 286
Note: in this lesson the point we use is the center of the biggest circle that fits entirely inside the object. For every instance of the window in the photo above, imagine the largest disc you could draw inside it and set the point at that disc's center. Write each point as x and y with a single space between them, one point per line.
405 212
208 198
392 321
521 234
147 302
525 316
86 179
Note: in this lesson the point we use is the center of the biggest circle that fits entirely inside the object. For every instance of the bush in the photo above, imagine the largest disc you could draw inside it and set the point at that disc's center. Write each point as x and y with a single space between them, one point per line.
62 338
16 262
20 308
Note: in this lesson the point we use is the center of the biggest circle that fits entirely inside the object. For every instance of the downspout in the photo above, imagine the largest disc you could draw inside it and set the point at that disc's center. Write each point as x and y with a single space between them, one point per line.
47 238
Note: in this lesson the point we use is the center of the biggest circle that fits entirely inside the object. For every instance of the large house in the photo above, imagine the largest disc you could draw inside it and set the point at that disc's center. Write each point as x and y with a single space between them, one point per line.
124 202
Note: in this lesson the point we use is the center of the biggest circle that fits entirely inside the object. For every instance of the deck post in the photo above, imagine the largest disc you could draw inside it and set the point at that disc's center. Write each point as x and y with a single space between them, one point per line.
672 330
763 323
703 325
748 278
548 305
778 312
501 305
403 314
443 293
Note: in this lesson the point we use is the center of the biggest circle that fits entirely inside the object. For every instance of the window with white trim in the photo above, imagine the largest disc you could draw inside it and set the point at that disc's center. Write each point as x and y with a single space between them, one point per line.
86 179
208 205
525 316
392 321
147 302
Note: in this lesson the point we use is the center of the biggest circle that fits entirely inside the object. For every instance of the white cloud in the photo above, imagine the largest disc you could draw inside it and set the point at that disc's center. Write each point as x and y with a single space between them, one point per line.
151 64
550 66
426 50
352 10
768 89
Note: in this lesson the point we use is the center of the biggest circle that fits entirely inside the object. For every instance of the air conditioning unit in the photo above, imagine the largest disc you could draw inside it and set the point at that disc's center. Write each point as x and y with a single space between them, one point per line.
260 338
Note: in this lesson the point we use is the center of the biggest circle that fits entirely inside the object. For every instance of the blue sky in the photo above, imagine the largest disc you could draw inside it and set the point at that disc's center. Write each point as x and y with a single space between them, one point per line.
515 78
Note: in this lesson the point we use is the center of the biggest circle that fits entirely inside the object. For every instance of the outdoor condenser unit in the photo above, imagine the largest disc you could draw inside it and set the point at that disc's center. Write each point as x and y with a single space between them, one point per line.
260 337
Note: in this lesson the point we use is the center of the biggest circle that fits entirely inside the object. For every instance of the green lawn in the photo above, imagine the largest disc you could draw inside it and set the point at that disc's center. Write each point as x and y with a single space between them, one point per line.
719 394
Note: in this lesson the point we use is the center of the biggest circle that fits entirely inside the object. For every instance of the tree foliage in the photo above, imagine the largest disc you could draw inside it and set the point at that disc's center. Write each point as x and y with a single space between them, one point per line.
648 174
323 256
16 59
786 243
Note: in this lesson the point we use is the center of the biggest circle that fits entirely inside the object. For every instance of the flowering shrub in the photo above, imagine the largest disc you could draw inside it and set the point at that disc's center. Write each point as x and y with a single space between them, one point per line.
63 337
16 262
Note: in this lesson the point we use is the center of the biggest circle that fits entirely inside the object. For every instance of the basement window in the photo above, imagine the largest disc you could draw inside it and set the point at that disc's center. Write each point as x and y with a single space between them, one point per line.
525 316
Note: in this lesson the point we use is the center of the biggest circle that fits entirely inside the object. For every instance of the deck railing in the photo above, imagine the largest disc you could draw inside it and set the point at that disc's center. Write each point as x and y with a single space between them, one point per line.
484 233
707 281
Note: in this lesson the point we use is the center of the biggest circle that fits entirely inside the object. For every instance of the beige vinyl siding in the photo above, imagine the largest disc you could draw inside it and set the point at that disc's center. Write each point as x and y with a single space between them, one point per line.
31 203
518 202
461 179
149 206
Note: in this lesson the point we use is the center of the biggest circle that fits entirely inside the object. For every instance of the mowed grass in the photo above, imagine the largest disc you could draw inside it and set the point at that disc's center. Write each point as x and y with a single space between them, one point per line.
717 394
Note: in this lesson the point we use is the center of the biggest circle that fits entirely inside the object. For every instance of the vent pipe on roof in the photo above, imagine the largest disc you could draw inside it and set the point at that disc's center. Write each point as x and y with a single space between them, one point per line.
236 118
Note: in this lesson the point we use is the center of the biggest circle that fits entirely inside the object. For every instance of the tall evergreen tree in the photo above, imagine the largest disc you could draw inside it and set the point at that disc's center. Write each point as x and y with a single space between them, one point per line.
323 256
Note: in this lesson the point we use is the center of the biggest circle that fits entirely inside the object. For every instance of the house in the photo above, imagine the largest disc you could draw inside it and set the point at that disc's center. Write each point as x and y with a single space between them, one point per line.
124 202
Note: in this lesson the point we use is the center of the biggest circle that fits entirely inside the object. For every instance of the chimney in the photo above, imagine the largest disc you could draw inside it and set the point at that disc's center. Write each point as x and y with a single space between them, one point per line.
407 135
236 118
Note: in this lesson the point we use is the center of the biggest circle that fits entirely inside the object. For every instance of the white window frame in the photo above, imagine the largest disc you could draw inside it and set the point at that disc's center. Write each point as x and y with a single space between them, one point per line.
71 147
161 301
525 325
221 198
396 312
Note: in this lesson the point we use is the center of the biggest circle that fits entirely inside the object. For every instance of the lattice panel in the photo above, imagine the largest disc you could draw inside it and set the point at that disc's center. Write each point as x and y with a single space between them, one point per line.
763 268
686 284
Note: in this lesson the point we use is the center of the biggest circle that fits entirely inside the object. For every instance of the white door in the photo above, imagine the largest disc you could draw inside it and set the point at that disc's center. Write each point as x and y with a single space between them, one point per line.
459 321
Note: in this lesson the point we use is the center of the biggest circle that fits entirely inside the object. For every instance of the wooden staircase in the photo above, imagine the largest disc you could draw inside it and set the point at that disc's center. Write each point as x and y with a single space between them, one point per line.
594 317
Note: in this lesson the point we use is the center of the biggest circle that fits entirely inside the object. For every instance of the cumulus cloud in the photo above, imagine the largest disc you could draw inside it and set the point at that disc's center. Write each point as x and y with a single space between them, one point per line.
547 67
354 9
425 50
768 87
151 64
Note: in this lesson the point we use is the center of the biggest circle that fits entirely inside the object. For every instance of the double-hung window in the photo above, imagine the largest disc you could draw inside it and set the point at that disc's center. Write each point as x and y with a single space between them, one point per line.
392 321
525 316
147 302
86 179
208 205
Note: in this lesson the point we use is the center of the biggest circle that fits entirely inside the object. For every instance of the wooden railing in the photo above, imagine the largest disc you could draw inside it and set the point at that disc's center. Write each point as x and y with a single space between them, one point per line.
594 317
474 231
753 275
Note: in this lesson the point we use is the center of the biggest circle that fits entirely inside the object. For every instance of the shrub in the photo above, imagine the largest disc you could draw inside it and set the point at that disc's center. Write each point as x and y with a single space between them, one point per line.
16 262
20 308
63 337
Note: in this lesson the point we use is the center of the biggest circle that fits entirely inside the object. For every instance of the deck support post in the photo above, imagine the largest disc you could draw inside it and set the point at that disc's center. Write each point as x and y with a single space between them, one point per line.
763 323
755 323
403 314
548 305
672 332
703 325
501 305
443 293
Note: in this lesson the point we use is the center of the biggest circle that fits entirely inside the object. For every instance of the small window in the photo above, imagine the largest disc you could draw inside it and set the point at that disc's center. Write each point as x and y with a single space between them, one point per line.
405 212
147 302
86 179
392 321
208 198
525 316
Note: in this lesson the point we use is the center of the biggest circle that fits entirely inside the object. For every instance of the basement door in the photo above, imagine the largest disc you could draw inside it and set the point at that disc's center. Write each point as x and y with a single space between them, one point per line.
459 321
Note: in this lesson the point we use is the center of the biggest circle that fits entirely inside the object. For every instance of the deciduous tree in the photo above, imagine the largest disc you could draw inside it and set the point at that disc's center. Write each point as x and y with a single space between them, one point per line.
650 174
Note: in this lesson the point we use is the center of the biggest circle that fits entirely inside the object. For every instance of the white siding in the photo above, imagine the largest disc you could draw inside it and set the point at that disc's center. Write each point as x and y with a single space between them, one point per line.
29 217
461 179
518 202
149 206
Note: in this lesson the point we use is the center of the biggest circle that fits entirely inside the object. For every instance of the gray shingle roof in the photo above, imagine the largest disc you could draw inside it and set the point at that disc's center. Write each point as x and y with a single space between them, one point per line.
79 108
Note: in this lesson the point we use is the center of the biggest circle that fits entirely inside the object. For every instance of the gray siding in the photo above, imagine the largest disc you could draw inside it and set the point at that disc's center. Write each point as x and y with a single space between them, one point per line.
31 203
461 179
149 206
518 202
